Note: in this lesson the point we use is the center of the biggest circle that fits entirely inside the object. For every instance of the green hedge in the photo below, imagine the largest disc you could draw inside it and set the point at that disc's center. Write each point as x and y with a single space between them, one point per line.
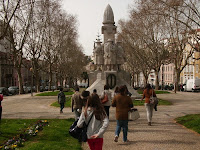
55 93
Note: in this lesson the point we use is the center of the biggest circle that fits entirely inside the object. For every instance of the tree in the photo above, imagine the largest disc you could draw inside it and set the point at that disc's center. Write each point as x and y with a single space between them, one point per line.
148 32
180 18
7 12
19 27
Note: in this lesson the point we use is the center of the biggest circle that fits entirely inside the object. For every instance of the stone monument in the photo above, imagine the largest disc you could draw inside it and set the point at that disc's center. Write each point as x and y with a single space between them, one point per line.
109 57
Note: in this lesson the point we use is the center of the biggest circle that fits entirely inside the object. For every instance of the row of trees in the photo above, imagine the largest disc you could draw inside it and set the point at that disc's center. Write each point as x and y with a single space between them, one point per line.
157 32
40 31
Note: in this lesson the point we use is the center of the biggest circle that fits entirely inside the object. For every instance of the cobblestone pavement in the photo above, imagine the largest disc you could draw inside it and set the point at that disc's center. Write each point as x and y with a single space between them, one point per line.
164 134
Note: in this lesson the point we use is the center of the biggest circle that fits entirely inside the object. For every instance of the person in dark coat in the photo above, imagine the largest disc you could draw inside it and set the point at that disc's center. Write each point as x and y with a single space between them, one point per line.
61 100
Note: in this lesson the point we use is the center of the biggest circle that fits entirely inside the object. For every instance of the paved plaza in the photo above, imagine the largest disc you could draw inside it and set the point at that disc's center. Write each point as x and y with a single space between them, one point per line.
164 134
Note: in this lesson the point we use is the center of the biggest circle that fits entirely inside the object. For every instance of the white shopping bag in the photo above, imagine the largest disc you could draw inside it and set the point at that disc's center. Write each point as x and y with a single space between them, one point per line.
133 114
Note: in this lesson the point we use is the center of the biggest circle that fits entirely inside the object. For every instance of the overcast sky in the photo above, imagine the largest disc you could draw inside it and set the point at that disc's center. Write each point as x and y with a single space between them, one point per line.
90 17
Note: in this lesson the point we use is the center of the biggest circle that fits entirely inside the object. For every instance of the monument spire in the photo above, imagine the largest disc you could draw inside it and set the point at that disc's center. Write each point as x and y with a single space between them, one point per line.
108 17
108 28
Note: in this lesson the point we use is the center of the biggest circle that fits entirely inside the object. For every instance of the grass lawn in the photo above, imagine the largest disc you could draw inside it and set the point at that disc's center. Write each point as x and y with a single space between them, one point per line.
55 93
12 127
67 104
54 136
141 103
157 92
190 121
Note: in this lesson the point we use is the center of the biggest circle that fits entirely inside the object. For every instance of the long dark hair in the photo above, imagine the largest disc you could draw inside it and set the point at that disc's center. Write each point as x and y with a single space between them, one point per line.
98 109
117 89
122 90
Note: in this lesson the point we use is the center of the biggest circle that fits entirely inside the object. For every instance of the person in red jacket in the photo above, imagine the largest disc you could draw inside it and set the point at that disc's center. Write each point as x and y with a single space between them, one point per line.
1 98
147 93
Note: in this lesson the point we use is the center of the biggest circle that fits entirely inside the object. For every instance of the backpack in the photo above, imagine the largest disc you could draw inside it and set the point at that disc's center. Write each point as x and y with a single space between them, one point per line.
61 97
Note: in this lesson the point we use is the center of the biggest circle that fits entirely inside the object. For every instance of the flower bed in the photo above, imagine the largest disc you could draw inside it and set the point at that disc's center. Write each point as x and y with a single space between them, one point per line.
18 141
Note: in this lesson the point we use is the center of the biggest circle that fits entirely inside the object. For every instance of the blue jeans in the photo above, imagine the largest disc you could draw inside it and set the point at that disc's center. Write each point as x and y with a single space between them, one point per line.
124 125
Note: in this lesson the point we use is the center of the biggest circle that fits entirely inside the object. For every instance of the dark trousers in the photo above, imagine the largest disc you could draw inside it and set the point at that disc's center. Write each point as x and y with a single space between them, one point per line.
62 105
0 112
107 110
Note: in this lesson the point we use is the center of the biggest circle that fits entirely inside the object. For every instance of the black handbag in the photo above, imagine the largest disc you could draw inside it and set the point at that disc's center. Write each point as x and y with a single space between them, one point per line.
79 133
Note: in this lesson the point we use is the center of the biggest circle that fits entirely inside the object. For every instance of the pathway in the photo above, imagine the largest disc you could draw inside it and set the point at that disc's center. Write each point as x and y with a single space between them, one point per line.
164 134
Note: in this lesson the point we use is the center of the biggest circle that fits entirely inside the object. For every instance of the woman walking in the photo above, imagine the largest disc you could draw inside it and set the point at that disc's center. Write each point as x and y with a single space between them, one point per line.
147 93
107 104
123 104
98 123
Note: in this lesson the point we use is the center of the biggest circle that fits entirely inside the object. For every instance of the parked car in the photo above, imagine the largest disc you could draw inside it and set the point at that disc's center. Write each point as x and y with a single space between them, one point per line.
46 88
13 90
29 89
4 91
192 85
83 85
25 89
53 88
42 89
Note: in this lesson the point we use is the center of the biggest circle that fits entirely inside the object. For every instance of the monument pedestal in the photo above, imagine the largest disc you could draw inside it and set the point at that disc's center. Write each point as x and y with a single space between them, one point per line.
113 79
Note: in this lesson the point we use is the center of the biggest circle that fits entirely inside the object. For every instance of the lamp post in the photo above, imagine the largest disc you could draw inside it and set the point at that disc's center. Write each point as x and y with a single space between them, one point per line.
31 70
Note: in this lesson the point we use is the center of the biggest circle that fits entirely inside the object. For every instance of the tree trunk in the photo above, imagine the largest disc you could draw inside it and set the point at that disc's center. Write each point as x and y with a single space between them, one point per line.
50 77
157 81
56 81
37 80
145 80
19 74
177 73
61 81
133 80
137 75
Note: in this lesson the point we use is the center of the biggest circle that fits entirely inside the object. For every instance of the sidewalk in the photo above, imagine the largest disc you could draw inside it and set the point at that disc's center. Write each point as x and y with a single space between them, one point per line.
164 134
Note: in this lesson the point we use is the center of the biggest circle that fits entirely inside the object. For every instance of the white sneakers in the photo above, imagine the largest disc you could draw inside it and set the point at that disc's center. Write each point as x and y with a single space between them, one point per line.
116 138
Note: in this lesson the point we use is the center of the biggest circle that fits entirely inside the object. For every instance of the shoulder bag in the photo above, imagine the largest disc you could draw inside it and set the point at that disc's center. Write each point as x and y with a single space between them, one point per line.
133 114
79 133
153 100
105 99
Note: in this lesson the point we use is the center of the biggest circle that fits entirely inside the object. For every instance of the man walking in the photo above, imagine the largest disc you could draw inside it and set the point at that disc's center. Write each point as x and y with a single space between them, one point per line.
76 103
61 100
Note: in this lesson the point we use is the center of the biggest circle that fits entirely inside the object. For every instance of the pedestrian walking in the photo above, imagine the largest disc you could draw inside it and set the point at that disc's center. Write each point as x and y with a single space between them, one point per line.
61 99
123 104
94 92
76 103
1 98
98 123
147 93
108 103
84 96
116 91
